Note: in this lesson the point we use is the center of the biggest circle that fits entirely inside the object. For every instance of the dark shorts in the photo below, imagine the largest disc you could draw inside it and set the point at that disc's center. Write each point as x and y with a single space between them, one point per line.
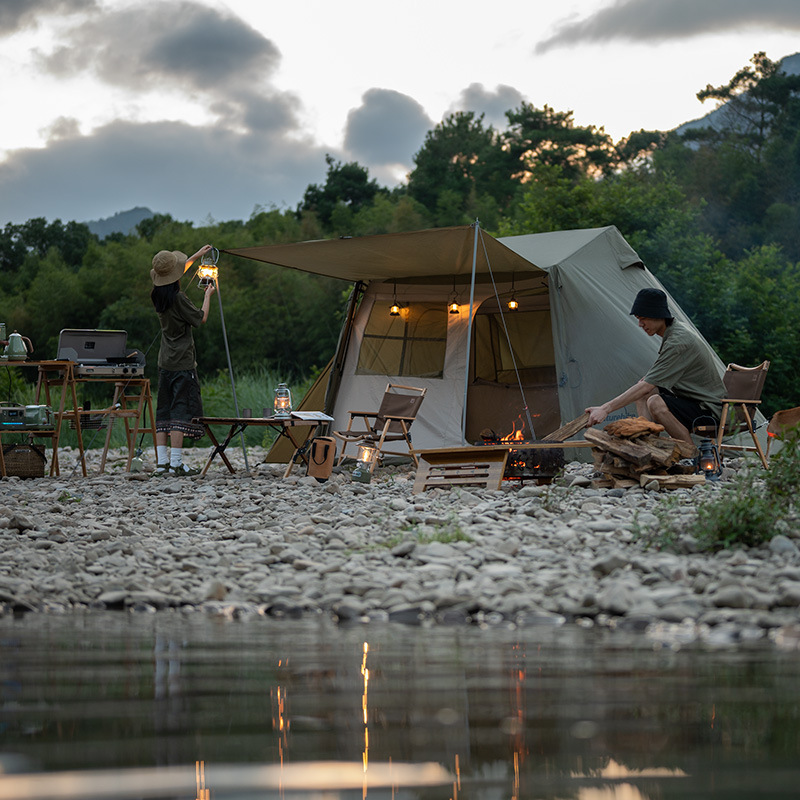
688 412
179 402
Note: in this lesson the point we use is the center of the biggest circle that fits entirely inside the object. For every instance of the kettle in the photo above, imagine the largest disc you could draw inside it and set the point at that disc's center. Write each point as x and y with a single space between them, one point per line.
17 349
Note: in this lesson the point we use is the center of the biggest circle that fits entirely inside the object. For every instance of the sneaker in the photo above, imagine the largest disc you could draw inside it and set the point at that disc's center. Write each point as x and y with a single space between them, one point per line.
182 471
160 471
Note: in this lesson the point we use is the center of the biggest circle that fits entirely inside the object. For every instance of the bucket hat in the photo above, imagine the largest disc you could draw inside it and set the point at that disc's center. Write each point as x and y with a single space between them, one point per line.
168 266
651 303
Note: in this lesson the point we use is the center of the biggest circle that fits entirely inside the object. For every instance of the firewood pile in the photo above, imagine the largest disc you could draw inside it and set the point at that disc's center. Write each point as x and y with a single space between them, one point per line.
631 452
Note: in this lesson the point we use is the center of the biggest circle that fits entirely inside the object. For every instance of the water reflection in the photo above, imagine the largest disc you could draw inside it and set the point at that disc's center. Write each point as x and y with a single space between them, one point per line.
183 705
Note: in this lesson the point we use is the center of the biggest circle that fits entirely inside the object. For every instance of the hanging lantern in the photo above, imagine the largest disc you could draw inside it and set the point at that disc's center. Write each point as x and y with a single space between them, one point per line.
513 303
708 461
452 306
394 310
365 462
208 271
283 401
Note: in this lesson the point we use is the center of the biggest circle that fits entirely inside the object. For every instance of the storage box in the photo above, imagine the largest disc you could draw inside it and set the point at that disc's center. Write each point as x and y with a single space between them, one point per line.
25 460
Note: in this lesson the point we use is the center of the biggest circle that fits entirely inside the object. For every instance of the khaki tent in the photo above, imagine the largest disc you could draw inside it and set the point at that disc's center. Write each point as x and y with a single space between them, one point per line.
570 344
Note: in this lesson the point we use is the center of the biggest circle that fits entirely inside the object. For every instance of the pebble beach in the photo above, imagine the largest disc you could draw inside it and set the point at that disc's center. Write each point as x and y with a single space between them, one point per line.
256 543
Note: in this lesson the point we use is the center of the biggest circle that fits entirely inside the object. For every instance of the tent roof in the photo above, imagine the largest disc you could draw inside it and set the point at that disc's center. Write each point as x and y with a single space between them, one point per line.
417 254
426 254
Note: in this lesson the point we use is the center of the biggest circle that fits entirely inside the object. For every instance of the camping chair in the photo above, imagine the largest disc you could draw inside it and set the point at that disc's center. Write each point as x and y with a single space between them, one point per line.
390 423
743 387
781 422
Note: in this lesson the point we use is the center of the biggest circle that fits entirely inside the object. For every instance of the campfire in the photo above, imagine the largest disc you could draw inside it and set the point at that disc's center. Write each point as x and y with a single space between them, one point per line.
525 464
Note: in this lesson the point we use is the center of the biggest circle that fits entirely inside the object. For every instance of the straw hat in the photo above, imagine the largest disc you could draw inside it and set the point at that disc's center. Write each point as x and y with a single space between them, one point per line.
168 266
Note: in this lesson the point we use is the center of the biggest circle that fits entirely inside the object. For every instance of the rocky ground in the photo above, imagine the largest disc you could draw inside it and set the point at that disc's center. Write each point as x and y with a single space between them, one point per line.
261 544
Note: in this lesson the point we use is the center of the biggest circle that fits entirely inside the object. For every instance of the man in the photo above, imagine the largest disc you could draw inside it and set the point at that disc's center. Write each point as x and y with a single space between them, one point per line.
683 387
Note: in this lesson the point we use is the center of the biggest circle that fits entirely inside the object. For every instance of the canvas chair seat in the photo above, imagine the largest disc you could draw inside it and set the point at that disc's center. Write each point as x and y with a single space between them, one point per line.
743 388
390 423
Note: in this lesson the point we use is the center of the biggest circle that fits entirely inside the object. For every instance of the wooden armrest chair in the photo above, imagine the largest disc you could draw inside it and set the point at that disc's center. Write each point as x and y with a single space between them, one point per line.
743 387
390 423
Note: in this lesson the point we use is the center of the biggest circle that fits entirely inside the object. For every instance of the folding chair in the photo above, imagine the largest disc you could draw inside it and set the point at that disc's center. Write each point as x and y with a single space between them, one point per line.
390 423
781 422
743 387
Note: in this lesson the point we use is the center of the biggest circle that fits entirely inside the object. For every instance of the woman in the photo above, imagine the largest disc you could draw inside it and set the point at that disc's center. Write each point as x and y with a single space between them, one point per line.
179 399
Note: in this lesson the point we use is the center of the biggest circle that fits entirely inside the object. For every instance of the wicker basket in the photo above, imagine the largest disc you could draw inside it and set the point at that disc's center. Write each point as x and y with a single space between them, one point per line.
25 460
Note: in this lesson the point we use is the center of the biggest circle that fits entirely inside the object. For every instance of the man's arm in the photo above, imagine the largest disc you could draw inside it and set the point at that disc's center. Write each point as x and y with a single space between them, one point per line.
636 392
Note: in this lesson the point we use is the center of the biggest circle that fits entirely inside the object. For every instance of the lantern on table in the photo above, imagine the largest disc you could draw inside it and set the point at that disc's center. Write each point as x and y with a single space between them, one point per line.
365 462
283 402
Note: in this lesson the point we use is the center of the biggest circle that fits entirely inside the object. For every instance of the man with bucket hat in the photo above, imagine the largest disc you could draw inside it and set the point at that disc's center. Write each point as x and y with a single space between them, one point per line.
683 387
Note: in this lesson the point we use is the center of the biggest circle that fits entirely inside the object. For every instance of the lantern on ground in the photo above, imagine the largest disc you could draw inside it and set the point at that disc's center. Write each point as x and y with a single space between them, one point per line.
365 462
283 402
708 461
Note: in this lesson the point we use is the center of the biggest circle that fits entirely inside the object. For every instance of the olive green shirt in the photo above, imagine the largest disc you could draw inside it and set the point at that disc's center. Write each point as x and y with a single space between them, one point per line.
177 343
686 367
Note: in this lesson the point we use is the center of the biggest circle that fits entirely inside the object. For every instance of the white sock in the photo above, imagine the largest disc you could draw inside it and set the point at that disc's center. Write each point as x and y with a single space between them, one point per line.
162 453
176 457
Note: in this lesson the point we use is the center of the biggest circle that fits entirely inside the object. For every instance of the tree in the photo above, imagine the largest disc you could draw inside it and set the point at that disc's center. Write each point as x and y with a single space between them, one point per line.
545 136
345 185
459 164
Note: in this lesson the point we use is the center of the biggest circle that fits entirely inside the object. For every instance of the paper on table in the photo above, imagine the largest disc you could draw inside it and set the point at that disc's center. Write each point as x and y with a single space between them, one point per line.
317 416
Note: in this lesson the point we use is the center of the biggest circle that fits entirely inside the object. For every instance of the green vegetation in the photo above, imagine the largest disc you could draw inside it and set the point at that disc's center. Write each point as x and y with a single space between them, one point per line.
748 511
715 214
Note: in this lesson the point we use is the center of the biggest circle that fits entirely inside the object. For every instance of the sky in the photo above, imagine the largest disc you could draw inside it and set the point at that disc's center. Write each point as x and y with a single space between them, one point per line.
210 110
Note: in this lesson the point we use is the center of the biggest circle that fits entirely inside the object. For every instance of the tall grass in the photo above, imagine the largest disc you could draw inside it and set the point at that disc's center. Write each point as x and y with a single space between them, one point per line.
255 390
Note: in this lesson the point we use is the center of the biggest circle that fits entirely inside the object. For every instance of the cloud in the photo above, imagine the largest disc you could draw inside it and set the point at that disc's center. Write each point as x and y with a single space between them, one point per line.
661 20
17 15
203 53
170 167
387 128
492 105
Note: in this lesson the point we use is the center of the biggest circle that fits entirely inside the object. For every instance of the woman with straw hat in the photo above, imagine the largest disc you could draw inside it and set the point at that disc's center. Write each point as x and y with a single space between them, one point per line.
179 400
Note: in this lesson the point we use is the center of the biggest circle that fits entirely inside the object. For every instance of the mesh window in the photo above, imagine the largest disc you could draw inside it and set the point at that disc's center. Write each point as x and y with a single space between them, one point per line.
412 344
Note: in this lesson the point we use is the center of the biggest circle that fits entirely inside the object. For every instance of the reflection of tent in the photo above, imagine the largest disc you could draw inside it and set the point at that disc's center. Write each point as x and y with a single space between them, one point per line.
571 343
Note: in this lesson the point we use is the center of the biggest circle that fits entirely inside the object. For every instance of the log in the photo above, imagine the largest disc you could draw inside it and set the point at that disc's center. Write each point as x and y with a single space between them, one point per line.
570 429
672 481
634 453
630 427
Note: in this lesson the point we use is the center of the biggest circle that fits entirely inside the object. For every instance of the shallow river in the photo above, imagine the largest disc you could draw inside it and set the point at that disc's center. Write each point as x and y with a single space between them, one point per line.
119 705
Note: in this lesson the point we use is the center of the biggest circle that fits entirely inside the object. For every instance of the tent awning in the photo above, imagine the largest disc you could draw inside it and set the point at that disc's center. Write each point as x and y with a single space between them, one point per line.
395 256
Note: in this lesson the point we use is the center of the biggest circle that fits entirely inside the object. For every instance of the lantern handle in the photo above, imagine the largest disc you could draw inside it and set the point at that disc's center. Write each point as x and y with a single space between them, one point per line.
210 258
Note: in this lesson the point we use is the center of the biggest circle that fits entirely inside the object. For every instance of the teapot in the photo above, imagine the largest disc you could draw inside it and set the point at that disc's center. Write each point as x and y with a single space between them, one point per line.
18 347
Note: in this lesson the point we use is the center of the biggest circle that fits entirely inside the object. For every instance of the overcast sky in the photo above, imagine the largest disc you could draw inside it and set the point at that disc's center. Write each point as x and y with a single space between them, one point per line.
209 110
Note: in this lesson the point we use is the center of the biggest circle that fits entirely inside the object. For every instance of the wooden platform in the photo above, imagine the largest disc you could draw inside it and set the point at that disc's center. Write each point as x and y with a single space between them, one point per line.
482 466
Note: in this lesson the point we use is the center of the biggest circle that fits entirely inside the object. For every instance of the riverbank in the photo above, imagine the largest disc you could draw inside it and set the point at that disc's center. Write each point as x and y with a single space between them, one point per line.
259 544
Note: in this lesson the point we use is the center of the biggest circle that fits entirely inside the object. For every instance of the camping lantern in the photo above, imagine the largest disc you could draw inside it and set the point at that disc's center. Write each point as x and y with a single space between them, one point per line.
208 271
513 303
708 461
394 310
365 461
283 401
452 306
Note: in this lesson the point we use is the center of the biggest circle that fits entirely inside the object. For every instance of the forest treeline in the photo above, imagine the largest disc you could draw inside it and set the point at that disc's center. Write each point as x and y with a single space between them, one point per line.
713 212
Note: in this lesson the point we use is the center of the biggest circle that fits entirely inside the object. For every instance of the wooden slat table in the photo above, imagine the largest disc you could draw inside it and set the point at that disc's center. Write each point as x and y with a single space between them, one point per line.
482 466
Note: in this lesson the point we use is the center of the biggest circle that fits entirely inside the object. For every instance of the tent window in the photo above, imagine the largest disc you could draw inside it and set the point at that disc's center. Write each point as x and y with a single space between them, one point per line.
531 335
412 344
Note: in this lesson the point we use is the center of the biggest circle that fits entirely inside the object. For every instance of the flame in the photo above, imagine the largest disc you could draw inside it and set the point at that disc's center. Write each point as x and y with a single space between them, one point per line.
516 434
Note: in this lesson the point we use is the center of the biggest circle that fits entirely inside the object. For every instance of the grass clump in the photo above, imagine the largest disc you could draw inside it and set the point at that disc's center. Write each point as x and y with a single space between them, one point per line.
747 512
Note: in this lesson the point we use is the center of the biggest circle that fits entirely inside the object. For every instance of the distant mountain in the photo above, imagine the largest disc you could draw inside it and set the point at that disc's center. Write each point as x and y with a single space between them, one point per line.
122 222
715 118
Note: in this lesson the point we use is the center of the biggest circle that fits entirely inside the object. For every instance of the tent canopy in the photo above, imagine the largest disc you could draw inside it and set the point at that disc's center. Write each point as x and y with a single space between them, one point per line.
418 255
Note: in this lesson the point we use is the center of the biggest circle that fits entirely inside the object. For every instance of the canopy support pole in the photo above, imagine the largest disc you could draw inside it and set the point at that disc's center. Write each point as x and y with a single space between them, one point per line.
476 226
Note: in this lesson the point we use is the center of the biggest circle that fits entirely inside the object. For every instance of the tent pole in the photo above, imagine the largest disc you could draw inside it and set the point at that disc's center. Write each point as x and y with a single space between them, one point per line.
477 227
337 367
